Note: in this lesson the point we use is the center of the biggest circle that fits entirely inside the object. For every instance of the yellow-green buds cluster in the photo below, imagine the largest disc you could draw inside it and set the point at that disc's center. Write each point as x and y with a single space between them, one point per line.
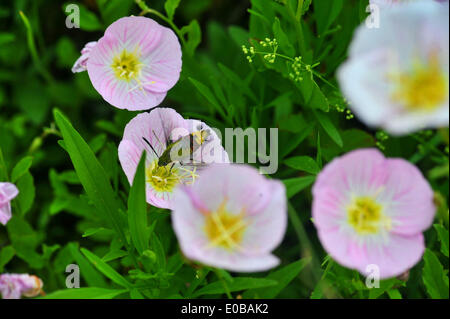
249 52
381 137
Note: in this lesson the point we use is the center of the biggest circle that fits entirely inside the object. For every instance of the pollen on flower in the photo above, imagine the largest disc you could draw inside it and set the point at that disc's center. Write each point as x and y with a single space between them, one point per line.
224 228
162 178
126 65
423 88
165 178
366 216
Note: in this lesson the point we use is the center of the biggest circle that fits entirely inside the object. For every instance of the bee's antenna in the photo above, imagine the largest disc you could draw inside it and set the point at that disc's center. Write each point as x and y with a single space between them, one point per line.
156 136
148 143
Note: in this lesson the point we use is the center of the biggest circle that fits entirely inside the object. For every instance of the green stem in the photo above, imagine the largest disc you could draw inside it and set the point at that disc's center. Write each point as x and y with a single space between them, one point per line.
145 9
299 10
3 170
315 73
305 243
33 51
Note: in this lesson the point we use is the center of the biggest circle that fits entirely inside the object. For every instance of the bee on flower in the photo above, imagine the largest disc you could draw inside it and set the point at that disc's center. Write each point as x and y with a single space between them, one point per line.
177 150
397 76
372 210
134 64
232 218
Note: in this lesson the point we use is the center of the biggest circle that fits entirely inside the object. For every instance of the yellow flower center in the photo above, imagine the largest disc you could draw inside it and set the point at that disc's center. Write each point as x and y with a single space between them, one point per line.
366 216
162 178
225 229
126 65
424 88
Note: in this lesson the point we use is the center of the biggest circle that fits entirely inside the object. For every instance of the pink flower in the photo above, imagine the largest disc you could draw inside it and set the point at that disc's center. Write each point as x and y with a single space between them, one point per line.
387 3
8 192
163 133
369 210
134 64
14 286
81 64
232 218
397 76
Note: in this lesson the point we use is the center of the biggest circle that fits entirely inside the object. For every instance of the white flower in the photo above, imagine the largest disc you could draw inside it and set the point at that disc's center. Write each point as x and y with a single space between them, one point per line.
397 75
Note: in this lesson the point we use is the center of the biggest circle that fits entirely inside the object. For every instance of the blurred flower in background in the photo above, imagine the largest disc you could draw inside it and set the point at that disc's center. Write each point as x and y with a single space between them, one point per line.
14 286
397 76
372 210
8 192
232 218
134 64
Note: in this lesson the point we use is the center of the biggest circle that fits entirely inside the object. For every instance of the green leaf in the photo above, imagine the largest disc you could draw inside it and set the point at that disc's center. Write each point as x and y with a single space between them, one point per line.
106 269
6 254
443 238
88 20
282 38
326 13
329 128
237 81
171 6
137 209
238 284
208 95
296 140
24 240
434 276
27 192
92 175
303 163
21 168
283 276
194 34
89 273
85 293
394 294
297 184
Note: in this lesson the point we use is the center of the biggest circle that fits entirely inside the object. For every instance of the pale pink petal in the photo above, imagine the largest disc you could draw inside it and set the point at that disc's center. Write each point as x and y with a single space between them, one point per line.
158 52
81 63
408 197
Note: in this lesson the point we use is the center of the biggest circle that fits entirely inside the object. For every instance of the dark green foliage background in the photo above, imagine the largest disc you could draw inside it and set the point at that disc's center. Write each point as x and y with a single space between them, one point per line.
56 222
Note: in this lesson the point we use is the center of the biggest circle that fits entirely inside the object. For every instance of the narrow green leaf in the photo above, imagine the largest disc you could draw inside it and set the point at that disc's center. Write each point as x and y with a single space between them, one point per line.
238 284
328 126
303 163
282 38
171 6
208 95
283 276
6 254
194 34
297 184
85 293
443 238
137 209
434 277
394 294
92 175
21 168
89 273
106 269
27 192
